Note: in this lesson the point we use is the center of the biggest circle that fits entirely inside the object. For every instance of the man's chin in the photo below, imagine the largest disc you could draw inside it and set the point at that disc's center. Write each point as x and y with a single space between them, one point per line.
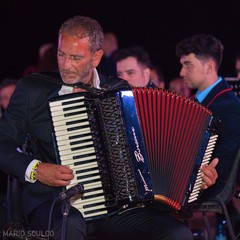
188 84
69 78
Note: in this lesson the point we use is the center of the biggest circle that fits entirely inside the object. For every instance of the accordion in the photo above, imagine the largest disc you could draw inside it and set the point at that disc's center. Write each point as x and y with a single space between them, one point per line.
132 146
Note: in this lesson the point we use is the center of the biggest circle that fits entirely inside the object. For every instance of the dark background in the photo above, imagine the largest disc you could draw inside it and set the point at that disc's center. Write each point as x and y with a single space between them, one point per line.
156 25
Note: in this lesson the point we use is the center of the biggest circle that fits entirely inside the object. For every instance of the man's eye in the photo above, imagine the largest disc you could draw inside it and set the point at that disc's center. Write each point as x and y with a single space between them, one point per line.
60 54
76 58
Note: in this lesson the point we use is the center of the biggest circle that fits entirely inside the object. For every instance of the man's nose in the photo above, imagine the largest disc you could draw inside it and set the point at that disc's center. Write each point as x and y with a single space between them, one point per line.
182 72
67 63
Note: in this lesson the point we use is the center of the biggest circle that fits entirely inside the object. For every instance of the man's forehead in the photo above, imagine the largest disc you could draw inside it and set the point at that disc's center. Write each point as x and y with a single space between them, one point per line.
187 58
128 62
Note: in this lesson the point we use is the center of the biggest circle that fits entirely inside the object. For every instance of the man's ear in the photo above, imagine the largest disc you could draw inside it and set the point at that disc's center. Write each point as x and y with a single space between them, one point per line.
211 66
147 73
97 57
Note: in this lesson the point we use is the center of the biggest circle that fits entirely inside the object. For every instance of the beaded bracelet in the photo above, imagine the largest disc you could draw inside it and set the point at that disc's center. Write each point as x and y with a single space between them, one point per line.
33 172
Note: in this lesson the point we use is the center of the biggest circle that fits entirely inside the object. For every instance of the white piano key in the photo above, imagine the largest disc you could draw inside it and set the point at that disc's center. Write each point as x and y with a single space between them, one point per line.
101 207
80 151
90 178
99 191
71 157
70 141
73 132
90 201
92 185
65 136
62 112
60 102
59 118
59 108
99 213
68 146
69 122
87 173
77 163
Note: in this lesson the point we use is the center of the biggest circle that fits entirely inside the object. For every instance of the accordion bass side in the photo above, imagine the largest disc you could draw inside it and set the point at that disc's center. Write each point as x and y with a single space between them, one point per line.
99 137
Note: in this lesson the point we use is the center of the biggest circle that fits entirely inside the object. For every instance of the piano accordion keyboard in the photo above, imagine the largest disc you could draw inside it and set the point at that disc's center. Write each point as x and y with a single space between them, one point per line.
76 150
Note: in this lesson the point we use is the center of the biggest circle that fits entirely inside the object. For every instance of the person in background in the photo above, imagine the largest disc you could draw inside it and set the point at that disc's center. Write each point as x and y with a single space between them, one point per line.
237 65
47 60
237 89
156 76
7 88
200 58
107 65
133 64
178 85
79 53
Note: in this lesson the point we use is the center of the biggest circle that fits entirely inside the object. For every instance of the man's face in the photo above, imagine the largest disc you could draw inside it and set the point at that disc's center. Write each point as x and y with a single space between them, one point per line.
155 79
179 86
130 70
5 95
194 71
75 60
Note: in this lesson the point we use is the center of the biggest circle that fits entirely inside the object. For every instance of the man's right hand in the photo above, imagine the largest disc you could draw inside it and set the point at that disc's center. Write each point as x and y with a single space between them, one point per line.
54 175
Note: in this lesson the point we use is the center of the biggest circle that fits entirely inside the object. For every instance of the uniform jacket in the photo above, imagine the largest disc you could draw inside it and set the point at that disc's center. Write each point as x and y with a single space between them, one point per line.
224 104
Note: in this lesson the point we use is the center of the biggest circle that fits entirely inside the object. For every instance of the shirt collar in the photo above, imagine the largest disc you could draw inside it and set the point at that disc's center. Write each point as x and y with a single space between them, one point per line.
200 96
96 79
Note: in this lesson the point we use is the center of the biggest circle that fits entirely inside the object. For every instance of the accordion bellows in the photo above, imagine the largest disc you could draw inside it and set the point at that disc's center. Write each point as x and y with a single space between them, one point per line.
179 139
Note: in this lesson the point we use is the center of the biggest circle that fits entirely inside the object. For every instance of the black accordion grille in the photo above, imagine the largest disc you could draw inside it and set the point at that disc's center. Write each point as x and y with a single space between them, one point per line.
100 154
117 151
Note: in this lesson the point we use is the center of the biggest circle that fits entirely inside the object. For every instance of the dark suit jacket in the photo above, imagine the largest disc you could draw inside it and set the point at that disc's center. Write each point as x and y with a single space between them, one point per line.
28 113
223 103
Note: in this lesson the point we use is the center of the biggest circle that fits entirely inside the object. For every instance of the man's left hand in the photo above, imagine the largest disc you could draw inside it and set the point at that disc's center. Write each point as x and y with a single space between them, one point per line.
209 174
